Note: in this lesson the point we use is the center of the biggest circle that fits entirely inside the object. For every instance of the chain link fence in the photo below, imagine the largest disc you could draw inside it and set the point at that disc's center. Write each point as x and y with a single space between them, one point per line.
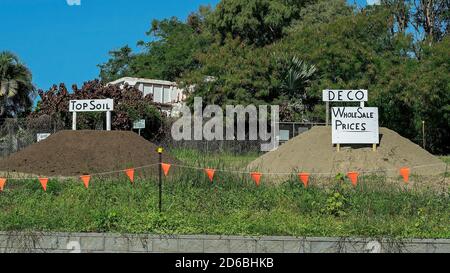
287 131
16 134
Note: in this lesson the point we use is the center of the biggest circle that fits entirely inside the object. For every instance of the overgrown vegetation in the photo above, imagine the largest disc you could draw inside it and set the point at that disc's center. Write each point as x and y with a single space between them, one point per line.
244 52
16 87
232 205
129 106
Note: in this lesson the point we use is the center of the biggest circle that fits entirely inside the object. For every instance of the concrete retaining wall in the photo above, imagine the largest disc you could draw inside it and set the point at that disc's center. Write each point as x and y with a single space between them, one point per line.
99 242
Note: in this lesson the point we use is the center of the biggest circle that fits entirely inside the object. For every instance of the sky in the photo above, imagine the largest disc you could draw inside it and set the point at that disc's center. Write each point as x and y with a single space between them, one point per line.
65 40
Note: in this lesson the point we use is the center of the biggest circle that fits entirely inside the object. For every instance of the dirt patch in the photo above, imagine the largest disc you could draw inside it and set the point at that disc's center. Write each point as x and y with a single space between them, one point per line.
72 153
313 152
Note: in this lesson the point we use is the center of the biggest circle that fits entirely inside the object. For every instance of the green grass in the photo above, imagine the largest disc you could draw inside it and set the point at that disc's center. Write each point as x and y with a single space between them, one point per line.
446 159
232 205
224 159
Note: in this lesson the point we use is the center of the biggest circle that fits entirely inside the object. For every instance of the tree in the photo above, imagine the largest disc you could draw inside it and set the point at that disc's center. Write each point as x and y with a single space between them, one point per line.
296 76
431 97
169 53
401 14
258 22
172 48
118 66
320 12
129 105
286 52
433 17
16 88
240 75
345 51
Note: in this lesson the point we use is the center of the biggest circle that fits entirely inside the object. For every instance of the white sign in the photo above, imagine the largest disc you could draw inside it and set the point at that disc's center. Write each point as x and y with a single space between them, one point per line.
42 136
345 95
105 105
354 125
139 124
284 135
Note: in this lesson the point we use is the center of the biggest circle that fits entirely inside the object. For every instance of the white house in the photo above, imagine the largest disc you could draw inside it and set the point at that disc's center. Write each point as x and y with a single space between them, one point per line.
166 93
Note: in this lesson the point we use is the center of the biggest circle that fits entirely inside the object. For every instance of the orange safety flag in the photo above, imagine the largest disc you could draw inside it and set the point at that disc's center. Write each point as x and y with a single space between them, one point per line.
210 173
256 177
404 172
166 168
86 179
353 177
130 174
2 183
44 182
304 177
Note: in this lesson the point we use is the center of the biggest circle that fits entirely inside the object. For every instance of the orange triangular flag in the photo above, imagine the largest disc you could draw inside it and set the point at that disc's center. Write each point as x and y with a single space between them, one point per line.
304 177
256 177
130 174
166 168
44 182
405 174
2 183
86 179
210 173
353 177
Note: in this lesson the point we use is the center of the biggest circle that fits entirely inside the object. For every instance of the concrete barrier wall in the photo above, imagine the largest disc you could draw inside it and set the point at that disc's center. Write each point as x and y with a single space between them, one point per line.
104 242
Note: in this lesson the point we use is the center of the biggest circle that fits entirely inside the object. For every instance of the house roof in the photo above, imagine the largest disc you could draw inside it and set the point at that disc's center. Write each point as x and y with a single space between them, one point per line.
134 81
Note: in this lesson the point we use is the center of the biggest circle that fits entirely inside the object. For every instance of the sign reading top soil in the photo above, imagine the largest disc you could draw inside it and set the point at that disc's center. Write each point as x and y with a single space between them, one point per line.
71 153
91 105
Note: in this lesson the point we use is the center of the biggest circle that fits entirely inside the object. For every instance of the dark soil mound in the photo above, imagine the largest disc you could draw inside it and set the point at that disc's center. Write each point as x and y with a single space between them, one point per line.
70 153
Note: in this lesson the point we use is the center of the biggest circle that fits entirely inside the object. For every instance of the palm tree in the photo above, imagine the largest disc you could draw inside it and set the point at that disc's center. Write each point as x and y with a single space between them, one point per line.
16 88
296 76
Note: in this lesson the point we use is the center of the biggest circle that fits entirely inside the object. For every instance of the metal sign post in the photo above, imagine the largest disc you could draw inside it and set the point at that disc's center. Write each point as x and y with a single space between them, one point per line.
160 151
139 124
108 121
74 121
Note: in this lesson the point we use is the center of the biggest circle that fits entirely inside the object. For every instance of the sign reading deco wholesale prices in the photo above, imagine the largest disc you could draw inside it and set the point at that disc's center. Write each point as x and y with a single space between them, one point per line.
354 125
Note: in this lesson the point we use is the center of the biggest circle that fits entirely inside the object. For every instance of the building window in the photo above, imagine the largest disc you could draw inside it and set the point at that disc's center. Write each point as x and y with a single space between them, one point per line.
148 89
158 94
167 94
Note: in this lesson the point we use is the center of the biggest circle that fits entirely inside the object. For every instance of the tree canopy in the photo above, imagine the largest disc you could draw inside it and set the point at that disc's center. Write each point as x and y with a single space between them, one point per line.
128 106
287 51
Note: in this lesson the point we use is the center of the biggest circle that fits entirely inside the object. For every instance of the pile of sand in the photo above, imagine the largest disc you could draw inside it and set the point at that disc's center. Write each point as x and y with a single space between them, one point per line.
313 152
69 153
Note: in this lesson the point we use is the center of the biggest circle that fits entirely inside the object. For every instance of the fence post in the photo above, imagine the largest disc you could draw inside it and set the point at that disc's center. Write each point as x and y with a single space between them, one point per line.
160 151
423 134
